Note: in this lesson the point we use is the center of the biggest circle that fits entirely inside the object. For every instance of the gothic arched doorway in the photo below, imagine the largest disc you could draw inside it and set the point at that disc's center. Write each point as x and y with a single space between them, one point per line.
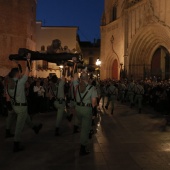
115 69
160 63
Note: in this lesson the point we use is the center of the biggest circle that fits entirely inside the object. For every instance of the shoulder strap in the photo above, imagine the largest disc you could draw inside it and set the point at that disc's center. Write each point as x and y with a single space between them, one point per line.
15 92
82 98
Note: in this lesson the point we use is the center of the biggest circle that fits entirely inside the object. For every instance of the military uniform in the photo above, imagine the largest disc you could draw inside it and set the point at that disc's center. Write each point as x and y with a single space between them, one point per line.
84 110
131 93
103 93
139 91
19 105
72 107
112 92
122 89
59 103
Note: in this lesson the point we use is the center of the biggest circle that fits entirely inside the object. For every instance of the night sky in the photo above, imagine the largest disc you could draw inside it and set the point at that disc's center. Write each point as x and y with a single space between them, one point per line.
86 14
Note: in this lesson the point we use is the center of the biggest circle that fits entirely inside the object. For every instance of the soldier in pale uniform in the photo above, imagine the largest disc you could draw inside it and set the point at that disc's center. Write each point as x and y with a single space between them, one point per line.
16 90
131 92
112 91
60 102
72 92
139 91
122 89
86 100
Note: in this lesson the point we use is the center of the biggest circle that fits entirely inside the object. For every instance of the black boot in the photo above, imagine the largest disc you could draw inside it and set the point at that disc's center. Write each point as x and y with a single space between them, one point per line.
112 112
91 134
17 147
106 107
84 151
140 110
93 122
8 134
57 132
76 129
37 128
70 117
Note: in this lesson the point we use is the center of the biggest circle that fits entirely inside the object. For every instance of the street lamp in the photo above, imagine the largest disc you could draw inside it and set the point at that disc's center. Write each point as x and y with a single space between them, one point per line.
61 70
98 64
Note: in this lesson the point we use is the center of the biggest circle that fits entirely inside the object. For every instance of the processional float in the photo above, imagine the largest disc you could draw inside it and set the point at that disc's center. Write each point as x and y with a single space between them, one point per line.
54 54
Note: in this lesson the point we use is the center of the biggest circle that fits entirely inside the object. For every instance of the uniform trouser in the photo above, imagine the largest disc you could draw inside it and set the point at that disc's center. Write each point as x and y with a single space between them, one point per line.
111 100
10 119
108 101
122 95
138 99
60 112
131 97
72 111
22 118
84 115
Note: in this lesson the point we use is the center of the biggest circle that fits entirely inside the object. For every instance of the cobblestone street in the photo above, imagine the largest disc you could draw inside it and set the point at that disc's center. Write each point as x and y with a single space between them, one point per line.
125 141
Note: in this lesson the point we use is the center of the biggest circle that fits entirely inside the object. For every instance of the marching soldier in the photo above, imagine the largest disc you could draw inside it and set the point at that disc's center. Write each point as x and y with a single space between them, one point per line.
139 91
59 103
122 89
131 93
86 100
16 91
72 107
112 92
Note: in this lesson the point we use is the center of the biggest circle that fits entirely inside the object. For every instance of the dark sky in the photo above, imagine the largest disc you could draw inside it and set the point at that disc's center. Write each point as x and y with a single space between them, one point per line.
86 14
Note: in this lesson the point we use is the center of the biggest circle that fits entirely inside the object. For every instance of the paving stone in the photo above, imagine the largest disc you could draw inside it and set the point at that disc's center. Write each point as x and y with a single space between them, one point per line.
124 141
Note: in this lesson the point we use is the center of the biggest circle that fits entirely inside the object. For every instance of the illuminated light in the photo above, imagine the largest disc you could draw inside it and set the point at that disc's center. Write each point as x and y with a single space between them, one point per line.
61 67
98 62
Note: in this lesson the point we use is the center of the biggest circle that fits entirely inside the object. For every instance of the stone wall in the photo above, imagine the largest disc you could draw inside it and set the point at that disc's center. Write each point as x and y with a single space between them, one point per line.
142 26
17 29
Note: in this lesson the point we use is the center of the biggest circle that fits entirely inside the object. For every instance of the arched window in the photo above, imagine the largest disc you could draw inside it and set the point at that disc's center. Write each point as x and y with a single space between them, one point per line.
114 13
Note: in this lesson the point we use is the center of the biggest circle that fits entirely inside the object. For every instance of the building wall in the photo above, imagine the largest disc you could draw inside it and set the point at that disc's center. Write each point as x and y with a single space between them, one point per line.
142 26
17 29
112 40
45 36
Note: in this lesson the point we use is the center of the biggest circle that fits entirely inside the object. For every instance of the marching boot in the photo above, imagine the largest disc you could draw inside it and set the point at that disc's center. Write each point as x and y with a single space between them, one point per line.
37 128
76 129
112 112
17 147
70 117
8 134
84 151
140 110
57 132
93 122
91 134
106 107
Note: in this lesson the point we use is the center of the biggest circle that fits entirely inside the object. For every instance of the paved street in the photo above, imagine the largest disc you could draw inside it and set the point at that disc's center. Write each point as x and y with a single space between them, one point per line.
125 141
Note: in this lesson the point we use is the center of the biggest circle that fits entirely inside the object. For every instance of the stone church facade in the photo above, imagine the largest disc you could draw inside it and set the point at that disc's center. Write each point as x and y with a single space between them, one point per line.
135 39
17 29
